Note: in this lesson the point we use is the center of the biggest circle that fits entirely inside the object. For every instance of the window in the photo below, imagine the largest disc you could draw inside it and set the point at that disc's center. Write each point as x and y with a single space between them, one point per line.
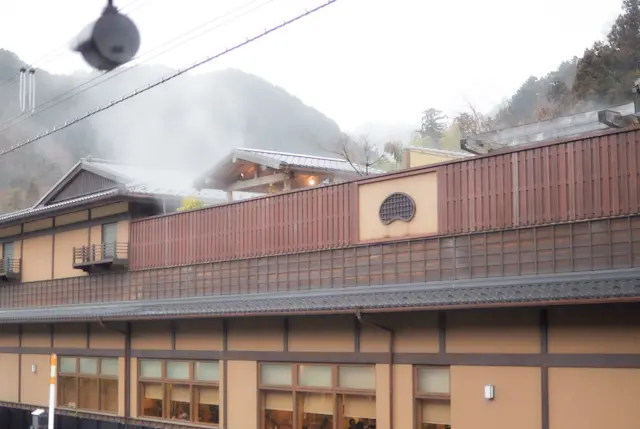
7 251
109 238
7 258
317 396
432 394
88 383
180 390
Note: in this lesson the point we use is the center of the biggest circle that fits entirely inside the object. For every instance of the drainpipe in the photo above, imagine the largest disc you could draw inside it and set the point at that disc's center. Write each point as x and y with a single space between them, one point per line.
391 333
127 367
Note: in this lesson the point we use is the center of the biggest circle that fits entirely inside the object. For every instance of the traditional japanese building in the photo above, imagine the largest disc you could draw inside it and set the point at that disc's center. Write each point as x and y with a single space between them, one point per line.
495 291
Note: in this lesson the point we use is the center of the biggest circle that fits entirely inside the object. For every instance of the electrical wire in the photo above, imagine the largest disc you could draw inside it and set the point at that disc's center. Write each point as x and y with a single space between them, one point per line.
37 110
165 79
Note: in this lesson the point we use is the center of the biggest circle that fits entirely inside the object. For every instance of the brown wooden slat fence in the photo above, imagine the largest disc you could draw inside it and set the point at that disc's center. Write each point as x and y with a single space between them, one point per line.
571 247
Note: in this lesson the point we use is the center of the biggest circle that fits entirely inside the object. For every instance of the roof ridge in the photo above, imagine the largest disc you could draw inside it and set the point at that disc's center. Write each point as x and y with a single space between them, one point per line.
275 152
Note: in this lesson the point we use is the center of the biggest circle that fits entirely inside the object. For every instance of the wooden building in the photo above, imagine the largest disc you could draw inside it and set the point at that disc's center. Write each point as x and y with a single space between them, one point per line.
496 291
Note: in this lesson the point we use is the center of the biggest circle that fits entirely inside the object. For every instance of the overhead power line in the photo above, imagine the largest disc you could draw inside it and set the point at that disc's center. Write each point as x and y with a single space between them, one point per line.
21 117
165 79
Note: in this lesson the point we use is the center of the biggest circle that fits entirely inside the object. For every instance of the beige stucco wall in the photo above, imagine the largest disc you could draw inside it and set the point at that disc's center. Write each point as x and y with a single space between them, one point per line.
64 244
109 209
517 402
10 377
594 398
423 188
35 386
70 218
495 331
37 258
242 394
419 159
594 329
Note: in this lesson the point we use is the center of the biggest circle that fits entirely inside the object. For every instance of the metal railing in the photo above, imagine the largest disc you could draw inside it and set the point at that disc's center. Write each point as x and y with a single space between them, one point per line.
97 253
10 266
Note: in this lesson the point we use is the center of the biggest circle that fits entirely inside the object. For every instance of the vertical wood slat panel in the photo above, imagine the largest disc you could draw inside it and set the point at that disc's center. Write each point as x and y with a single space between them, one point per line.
575 247
318 218
582 179
577 180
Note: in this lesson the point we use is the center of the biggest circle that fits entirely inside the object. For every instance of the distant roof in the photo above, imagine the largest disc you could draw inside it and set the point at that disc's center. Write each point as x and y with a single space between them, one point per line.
34 210
297 160
539 289
159 181
564 127
441 152
282 160
130 181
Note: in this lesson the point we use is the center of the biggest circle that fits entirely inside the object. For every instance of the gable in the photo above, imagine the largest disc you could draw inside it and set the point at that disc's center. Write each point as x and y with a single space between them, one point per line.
84 183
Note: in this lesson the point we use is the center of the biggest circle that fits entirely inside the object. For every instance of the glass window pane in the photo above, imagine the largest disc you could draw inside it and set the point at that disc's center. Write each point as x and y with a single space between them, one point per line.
278 410
89 366
207 371
314 375
179 401
276 375
208 404
88 394
67 389
358 411
109 396
68 365
315 410
178 370
150 369
433 380
357 377
152 400
109 367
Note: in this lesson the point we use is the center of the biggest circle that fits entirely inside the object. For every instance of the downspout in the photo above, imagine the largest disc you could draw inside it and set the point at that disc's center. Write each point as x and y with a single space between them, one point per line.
127 367
392 333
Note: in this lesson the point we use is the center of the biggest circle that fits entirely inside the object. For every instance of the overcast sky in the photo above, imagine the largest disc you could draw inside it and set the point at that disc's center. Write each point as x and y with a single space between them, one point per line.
357 61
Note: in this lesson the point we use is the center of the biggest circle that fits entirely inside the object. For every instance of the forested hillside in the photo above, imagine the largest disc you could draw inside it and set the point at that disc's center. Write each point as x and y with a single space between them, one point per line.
187 123
601 78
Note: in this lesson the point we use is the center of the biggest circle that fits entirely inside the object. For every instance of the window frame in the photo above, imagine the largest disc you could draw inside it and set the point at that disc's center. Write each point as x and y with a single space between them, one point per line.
295 388
420 397
77 375
164 381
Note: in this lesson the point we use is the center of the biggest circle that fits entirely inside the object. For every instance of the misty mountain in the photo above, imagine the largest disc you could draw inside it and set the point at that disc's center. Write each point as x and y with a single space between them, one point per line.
189 122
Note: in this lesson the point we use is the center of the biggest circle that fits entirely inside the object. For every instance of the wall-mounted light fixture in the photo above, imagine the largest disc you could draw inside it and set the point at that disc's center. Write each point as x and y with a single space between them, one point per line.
489 392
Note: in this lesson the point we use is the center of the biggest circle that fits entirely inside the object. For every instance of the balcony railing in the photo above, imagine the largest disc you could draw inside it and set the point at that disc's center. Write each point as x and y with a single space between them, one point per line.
10 269
101 256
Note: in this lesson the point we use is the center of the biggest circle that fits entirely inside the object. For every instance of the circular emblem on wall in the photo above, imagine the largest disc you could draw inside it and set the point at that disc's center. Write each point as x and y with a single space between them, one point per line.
397 206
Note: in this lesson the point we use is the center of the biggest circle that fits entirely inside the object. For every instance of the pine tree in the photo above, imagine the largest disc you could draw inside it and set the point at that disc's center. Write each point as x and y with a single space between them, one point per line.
607 71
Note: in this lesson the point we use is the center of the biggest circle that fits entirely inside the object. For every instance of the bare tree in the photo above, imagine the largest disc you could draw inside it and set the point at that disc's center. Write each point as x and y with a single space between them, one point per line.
474 122
361 154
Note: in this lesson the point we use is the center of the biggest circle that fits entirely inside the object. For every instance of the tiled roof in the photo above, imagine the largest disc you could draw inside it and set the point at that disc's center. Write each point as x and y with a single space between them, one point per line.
523 290
158 181
305 161
55 206
134 181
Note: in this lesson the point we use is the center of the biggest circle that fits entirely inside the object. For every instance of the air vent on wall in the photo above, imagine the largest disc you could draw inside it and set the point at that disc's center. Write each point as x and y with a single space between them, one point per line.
397 206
